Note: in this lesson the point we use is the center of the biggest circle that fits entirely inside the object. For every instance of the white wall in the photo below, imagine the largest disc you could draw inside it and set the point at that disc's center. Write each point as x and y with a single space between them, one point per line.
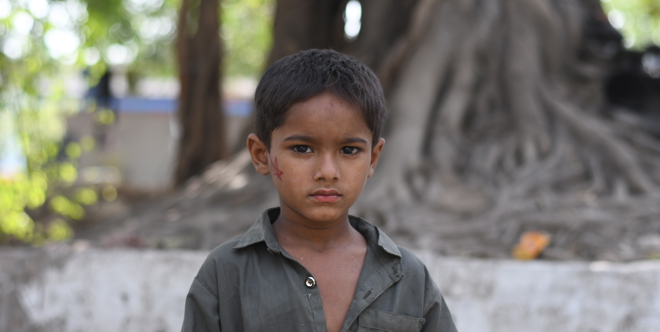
142 146
125 290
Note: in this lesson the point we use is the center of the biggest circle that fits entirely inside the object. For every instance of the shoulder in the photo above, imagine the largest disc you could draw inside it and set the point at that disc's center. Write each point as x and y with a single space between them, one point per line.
387 250
220 263
436 312
221 254
414 270
410 260
224 251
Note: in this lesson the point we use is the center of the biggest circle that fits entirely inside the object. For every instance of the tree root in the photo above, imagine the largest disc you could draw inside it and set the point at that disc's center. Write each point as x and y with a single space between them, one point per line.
515 121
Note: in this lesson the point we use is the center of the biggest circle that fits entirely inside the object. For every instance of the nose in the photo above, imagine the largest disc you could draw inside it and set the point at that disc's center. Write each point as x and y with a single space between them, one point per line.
327 168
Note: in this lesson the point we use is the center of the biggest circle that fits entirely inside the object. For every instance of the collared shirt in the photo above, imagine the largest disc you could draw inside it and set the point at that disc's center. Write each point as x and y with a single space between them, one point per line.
252 284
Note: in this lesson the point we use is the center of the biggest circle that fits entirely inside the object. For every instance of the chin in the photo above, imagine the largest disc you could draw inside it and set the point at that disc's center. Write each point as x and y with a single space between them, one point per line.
326 215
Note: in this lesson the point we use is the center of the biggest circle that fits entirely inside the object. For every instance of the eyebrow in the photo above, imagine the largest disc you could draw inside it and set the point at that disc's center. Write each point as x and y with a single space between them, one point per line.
355 140
299 138
310 139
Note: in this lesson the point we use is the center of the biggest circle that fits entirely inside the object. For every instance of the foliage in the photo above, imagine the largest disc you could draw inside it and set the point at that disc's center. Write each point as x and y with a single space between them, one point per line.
44 45
29 111
49 171
638 20
246 31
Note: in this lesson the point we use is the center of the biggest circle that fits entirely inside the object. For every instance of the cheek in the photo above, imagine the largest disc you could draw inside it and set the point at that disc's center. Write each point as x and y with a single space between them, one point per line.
291 172
358 175
275 168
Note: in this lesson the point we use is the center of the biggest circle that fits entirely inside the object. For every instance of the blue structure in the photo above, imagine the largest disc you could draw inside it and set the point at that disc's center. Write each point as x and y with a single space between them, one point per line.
232 107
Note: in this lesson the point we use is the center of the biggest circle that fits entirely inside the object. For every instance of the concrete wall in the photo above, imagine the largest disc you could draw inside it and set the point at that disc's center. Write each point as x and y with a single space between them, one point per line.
141 146
62 289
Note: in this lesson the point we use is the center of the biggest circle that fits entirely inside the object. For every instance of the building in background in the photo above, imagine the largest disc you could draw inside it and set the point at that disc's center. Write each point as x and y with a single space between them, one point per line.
137 149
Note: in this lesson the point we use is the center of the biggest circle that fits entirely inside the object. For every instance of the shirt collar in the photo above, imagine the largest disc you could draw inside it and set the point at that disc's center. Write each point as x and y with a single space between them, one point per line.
262 231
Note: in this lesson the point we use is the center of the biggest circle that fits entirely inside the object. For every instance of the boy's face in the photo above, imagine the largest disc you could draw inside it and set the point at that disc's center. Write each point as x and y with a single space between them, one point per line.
319 159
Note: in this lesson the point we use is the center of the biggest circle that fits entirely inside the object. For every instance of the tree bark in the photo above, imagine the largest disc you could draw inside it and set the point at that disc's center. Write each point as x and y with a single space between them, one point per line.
304 24
202 140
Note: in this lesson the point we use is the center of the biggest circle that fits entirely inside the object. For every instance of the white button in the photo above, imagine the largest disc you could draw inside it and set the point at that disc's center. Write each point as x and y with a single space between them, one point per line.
310 282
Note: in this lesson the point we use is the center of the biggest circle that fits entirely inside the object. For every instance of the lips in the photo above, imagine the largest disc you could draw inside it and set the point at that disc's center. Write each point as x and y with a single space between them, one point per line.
326 195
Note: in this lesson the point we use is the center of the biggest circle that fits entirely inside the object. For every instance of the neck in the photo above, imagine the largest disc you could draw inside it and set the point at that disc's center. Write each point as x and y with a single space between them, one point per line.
295 234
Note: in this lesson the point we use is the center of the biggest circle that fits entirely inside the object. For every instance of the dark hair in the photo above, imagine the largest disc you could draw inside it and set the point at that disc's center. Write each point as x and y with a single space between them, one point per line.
301 76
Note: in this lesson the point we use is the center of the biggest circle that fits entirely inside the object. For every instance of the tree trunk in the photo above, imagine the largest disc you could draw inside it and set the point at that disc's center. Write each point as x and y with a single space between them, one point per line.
202 140
304 24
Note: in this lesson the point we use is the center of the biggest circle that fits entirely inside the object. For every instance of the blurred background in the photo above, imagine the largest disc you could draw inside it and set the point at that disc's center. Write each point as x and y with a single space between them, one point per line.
123 122
90 95
524 129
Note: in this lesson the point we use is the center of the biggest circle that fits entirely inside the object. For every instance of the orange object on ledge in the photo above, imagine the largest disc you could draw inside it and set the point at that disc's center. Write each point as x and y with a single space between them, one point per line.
531 245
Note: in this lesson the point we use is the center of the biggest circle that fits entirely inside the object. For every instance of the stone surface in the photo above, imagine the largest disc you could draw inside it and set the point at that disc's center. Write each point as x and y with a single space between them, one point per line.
64 289
512 296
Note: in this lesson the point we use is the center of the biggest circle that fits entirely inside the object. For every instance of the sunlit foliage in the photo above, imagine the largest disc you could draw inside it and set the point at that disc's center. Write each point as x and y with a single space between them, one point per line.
638 20
43 44
246 32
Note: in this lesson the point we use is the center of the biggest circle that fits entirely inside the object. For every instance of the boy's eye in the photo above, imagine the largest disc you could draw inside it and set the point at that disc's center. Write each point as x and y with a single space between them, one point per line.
302 149
350 150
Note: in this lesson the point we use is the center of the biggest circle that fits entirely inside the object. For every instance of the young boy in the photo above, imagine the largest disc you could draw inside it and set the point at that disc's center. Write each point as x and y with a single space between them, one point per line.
308 265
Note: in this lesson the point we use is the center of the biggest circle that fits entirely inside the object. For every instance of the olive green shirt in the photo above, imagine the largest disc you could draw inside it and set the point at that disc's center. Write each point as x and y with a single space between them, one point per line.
252 284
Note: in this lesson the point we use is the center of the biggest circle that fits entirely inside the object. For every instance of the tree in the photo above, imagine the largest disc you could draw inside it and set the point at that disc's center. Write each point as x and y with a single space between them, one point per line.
639 21
202 140
498 121
498 125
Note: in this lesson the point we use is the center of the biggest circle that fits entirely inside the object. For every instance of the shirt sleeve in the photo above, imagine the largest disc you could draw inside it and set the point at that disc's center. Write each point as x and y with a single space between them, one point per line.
201 311
438 318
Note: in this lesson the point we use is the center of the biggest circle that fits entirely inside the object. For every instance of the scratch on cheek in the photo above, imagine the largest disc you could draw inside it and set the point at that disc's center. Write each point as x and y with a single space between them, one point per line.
278 173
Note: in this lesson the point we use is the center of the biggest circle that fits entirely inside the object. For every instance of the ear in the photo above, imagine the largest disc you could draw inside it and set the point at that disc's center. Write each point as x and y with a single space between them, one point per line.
375 154
259 154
